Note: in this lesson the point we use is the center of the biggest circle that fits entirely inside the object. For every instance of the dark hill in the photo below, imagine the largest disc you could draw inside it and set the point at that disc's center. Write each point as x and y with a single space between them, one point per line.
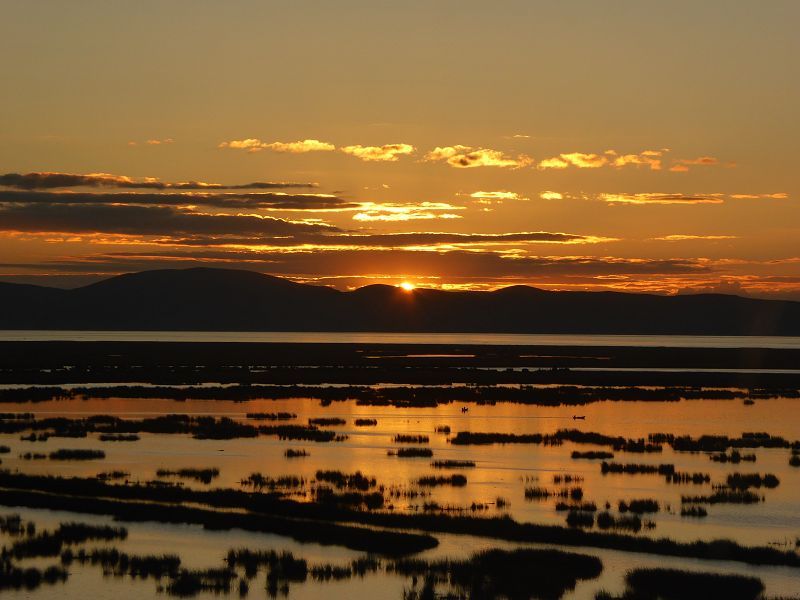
222 299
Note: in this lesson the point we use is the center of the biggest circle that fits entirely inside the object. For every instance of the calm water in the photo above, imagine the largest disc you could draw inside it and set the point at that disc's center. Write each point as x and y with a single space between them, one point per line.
487 339
502 471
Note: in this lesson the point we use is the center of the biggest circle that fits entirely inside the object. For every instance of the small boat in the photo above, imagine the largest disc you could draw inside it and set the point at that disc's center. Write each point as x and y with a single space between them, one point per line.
578 418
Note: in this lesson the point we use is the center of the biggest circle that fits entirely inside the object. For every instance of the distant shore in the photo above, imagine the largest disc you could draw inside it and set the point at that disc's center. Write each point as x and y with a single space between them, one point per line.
184 363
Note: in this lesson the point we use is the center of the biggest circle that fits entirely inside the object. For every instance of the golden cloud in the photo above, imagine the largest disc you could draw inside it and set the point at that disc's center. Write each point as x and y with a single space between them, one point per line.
581 160
658 198
685 237
548 195
372 211
385 153
497 196
445 152
484 157
553 163
299 147
650 158
776 196
682 165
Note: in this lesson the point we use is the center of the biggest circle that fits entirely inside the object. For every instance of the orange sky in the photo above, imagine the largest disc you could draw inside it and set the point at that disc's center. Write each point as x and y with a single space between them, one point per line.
640 146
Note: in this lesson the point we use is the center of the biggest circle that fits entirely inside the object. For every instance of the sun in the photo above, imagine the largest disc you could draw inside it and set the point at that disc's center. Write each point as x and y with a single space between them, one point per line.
407 286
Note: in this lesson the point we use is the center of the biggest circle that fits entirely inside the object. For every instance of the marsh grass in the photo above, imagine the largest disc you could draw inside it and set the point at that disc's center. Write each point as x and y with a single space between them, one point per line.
76 454
201 475
411 453
453 464
411 439
674 584
455 480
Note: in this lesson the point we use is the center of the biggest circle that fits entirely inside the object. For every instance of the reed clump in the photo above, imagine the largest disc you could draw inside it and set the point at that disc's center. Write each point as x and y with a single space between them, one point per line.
201 475
411 439
411 452
453 464
455 480
76 454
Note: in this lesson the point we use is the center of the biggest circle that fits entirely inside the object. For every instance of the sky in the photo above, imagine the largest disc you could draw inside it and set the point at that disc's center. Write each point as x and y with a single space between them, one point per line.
640 146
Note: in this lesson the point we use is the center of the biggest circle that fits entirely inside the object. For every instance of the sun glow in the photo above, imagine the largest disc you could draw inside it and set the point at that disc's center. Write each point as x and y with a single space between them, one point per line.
407 286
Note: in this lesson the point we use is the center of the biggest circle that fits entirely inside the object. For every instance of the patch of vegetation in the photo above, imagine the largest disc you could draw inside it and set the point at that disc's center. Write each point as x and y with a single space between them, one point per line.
693 511
292 453
271 416
743 481
76 454
50 543
673 584
365 422
735 457
694 478
432 481
411 439
637 469
724 496
113 475
201 475
523 573
411 452
606 520
118 437
356 481
453 464
259 482
639 507
577 518
327 421
13 577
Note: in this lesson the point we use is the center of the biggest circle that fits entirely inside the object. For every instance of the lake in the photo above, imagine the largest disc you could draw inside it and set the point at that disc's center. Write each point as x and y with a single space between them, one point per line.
501 471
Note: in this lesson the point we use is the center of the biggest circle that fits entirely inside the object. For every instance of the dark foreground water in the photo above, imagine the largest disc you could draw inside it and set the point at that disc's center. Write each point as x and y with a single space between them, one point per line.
344 337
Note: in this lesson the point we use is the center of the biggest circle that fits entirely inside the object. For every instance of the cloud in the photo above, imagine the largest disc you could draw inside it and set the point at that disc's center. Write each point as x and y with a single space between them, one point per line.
463 157
548 195
385 153
775 196
371 211
445 152
650 158
420 241
156 142
576 159
678 237
299 147
496 196
465 265
436 239
231 200
682 165
48 180
658 198
144 221
553 163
